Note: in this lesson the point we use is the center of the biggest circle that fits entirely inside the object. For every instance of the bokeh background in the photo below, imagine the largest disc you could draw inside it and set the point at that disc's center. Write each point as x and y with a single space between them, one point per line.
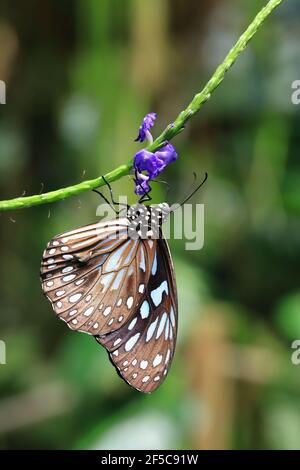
80 76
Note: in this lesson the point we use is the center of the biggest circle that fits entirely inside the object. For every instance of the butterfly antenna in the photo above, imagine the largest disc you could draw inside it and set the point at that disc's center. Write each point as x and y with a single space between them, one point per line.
195 190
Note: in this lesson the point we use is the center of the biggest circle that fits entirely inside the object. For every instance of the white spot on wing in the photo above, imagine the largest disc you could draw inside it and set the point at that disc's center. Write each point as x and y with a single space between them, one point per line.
161 325
68 269
145 309
132 323
59 293
170 331
151 330
157 360
74 298
88 311
154 265
167 329
107 311
129 302
172 316
131 342
143 364
67 257
68 278
168 356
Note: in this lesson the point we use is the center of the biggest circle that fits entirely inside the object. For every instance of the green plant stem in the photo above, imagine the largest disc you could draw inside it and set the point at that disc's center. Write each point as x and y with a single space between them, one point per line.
170 132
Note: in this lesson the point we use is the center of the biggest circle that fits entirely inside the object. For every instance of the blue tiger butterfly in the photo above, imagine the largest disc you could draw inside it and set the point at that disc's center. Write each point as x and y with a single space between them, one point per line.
115 280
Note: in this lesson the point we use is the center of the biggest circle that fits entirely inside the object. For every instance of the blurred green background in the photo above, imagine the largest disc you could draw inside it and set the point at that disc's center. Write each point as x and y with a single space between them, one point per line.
80 77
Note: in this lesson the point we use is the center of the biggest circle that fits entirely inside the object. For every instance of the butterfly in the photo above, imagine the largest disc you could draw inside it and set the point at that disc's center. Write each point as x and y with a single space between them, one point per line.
119 288
115 280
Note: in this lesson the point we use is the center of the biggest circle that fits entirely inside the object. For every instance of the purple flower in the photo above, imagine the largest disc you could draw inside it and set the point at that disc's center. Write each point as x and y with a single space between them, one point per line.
167 154
149 165
142 187
145 127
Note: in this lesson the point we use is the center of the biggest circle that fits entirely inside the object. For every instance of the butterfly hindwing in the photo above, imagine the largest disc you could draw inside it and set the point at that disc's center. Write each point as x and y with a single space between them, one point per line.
142 350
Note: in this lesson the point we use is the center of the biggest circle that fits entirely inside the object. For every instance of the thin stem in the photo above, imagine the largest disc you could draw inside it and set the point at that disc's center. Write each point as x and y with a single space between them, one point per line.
170 132
217 78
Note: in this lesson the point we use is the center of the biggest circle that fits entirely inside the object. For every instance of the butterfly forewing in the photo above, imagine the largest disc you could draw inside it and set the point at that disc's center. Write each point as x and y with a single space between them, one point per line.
96 286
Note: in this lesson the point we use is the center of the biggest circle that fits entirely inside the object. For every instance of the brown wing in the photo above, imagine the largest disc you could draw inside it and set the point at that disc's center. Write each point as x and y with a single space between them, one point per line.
143 348
95 276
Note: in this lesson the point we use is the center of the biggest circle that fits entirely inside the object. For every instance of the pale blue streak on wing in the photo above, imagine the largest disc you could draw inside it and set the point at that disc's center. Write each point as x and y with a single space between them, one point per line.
157 293
142 263
130 252
115 258
118 279
154 265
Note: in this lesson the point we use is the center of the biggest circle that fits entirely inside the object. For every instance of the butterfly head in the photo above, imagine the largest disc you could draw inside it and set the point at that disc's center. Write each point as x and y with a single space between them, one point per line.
162 211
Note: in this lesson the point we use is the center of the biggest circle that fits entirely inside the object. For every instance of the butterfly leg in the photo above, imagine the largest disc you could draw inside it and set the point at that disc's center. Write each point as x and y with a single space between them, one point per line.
112 194
145 196
117 212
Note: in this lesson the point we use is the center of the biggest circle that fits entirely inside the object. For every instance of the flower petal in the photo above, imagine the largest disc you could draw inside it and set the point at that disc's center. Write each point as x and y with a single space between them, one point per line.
146 125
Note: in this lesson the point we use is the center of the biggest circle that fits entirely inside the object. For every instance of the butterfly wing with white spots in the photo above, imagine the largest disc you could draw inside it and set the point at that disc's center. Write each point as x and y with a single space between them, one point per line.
142 350
95 276
120 289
